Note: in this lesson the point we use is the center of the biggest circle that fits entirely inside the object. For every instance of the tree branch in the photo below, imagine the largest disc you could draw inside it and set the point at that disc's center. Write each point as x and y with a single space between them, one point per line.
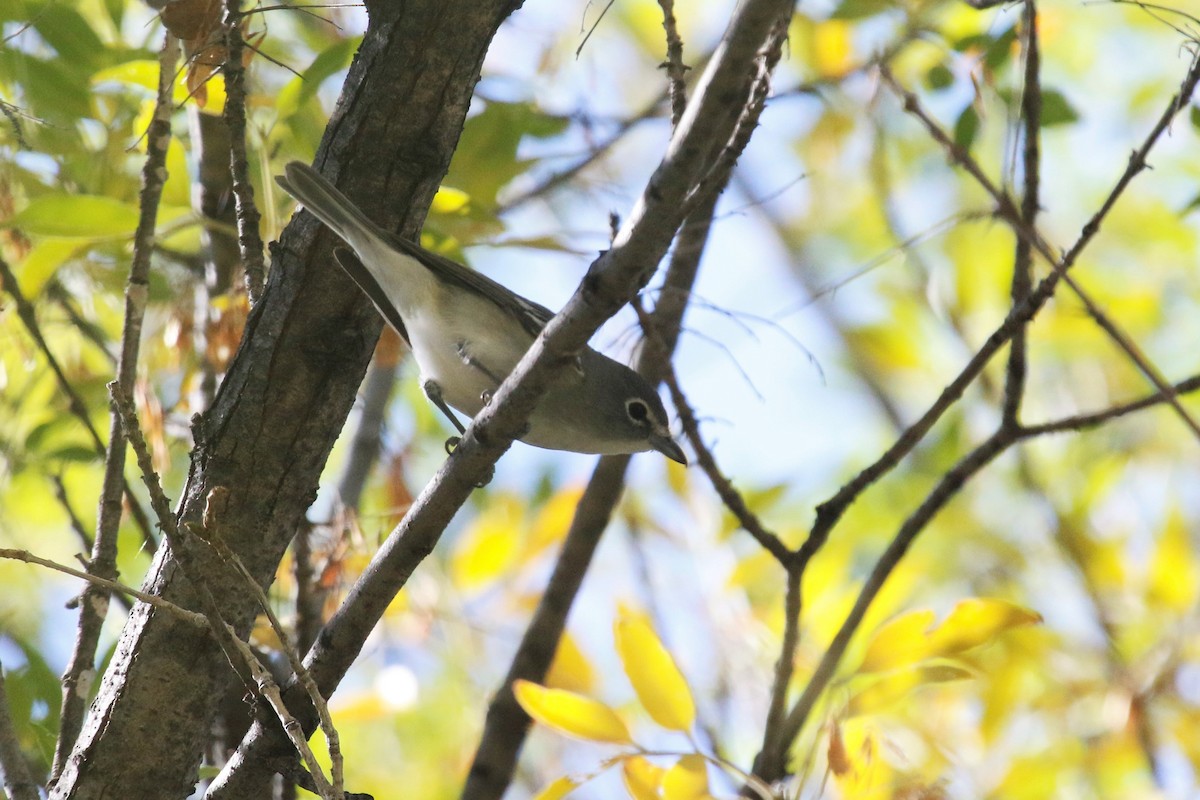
249 240
284 396
1022 277
1008 211
77 680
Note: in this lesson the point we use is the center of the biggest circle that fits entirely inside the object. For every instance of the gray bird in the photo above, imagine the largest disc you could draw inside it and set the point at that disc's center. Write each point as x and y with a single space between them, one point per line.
468 332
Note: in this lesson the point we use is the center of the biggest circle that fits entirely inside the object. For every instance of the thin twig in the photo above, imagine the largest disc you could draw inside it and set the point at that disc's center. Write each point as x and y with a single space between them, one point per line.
1083 422
249 240
1022 277
832 509
568 174
591 30
730 496
772 760
103 563
210 533
60 492
771 763
785 665
674 65
88 329
191 617
268 689
243 661
1008 211
85 538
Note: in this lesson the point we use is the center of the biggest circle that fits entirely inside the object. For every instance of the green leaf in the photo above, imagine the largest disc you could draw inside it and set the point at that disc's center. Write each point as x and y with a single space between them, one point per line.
486 158
966 128
939 76
1000 50
52 91
976 41
42 262
77 216
860 9
69 34
1056 109
304 87
74 452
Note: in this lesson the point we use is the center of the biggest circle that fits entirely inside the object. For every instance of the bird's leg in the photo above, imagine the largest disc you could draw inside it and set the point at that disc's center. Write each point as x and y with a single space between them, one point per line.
434 393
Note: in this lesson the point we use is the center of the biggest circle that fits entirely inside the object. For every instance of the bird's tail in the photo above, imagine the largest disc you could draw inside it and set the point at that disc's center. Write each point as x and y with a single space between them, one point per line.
328 204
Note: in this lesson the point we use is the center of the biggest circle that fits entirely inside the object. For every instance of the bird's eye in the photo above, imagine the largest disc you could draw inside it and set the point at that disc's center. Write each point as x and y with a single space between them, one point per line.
637 410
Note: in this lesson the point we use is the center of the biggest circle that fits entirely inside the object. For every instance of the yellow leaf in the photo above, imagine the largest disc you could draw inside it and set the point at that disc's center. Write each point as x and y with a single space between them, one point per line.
570 669
642 779
450 201
896 685
686 780
42 261
864 774
899 641
558 789
553 520
912 637
1173 567
832 48
570 713
215 104
659 684
677 477
976 621
488 547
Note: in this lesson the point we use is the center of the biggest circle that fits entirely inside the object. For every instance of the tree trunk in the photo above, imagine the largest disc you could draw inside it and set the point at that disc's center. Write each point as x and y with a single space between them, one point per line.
286 394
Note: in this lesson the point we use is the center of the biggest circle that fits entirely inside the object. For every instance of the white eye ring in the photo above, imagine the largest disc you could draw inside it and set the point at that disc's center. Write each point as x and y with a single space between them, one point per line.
637 410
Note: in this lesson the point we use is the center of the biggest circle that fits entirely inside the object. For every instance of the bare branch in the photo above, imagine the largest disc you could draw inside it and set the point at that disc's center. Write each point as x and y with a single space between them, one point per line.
674 65
564 176
771 764
1022 278
248 217
210 533
506 724
94 608
1083 422
184 614
730 496
1008 211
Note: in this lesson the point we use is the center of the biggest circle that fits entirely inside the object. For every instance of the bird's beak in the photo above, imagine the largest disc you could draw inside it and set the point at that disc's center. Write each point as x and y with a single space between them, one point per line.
663 443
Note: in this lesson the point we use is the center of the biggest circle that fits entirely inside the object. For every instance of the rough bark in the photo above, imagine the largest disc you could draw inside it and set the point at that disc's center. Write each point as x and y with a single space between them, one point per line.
286 394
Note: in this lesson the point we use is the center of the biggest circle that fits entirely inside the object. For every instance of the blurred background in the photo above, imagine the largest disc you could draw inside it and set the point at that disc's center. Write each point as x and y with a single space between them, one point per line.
850 275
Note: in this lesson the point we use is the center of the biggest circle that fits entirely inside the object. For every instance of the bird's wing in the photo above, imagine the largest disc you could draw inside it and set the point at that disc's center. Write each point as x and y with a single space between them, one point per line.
349 262
533 316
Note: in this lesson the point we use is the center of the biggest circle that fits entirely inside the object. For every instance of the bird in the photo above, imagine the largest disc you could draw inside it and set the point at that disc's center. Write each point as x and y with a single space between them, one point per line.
467 332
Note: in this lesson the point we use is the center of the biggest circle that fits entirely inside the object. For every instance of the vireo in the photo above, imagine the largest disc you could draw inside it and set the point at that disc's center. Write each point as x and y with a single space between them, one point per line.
467 333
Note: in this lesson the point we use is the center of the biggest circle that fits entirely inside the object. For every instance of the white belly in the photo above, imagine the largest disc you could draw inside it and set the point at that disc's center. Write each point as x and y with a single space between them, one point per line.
469 358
